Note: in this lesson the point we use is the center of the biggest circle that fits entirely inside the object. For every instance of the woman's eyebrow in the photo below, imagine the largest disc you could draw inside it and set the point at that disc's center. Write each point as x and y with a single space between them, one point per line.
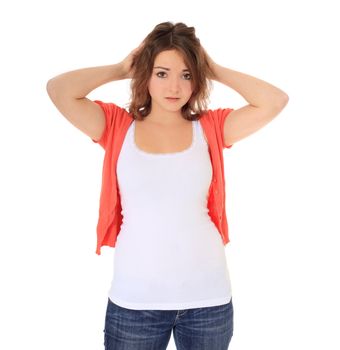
184 70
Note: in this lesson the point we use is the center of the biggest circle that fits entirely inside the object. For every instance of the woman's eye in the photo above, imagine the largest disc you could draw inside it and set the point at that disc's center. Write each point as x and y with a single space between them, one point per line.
186 76
160 74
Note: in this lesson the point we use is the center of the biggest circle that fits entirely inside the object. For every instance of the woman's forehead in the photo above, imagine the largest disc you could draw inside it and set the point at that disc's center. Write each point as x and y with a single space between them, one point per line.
170 59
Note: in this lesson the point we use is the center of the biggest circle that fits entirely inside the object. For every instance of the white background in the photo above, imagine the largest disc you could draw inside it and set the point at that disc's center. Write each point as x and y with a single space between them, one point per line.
282 182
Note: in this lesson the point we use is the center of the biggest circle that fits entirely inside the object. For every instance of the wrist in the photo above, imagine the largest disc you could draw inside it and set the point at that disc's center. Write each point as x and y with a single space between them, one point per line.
118 71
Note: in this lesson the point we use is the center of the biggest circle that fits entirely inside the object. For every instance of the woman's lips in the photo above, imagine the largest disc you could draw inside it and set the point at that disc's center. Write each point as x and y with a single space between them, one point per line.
172 99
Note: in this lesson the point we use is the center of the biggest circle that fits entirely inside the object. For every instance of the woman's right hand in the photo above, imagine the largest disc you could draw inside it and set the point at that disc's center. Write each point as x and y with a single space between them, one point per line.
127 63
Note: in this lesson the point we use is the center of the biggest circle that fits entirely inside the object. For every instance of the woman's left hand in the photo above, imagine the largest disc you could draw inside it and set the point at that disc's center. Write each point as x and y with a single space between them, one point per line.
211 64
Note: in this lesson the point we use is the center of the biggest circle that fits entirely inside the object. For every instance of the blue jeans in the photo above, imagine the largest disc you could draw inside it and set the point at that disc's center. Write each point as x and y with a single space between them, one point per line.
207 328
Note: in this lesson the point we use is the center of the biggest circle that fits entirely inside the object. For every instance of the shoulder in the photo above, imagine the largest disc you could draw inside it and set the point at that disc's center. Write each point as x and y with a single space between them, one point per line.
215 116
112 108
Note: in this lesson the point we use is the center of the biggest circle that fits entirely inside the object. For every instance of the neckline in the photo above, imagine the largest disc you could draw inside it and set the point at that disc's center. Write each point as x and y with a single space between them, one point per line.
168 154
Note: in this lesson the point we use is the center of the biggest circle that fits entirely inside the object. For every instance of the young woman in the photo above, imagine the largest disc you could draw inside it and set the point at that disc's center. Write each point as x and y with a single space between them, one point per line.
163 188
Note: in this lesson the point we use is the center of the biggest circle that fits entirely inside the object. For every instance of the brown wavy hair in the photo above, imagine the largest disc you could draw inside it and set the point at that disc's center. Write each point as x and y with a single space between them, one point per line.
169 36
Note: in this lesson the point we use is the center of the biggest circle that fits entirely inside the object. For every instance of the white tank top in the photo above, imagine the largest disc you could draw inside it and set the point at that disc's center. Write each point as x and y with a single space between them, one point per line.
169 254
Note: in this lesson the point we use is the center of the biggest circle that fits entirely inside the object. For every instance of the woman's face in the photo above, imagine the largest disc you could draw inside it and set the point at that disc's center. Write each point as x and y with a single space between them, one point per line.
170 78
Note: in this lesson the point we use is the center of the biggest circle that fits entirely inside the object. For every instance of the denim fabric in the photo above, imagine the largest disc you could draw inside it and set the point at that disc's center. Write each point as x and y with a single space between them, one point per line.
207 328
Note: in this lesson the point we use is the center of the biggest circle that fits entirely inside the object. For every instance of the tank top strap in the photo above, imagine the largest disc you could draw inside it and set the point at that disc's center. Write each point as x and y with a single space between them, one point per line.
199 132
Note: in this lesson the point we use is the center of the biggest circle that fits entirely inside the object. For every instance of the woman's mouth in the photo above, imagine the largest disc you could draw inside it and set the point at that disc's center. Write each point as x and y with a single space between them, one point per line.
172 99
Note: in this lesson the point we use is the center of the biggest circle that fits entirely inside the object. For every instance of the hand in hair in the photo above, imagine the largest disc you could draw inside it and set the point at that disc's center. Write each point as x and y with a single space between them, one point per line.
128 62
211 64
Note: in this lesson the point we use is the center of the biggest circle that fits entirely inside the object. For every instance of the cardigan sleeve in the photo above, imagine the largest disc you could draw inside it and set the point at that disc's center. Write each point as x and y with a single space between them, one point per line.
220 116
110 111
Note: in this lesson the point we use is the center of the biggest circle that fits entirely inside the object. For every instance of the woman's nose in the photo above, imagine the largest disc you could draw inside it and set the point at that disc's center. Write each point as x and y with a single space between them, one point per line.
174 85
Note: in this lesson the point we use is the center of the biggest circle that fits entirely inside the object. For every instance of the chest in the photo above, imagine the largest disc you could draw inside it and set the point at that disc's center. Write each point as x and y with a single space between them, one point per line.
163 139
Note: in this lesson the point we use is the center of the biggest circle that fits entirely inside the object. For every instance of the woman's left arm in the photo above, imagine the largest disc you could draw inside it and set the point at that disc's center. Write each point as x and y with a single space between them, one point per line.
265 102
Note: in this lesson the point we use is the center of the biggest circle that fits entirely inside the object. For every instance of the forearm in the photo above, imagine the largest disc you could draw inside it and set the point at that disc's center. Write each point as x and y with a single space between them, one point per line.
255 91
79 83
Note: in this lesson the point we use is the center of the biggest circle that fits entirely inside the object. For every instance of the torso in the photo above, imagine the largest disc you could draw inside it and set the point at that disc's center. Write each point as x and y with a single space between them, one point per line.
154 138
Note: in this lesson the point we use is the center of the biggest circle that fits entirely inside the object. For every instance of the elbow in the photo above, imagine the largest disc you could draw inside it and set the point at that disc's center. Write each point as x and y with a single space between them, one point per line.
50 85
51 89
285 99
282 101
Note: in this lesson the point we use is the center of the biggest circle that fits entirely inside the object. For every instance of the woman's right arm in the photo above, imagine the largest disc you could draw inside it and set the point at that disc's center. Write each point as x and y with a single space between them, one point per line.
68 92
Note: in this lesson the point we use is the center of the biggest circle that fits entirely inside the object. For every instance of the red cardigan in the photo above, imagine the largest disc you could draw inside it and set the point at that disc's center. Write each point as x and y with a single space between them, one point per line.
118 121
